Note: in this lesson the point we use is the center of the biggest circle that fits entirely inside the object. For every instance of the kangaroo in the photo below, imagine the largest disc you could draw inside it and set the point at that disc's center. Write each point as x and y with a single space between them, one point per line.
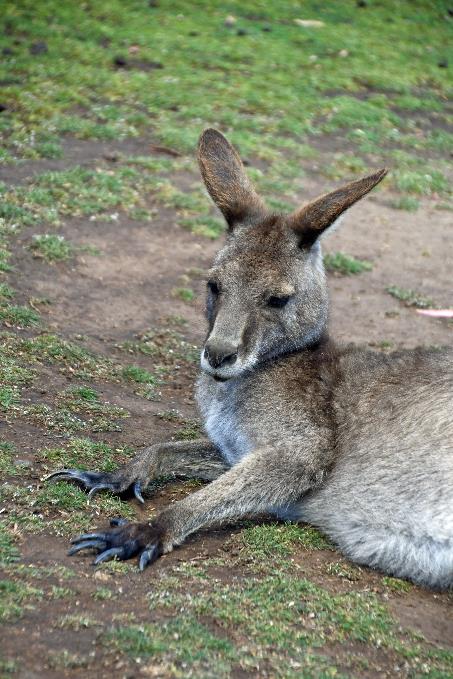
356 443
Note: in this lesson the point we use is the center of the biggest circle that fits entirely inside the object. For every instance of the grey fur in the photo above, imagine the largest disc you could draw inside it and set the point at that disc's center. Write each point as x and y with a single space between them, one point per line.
357 443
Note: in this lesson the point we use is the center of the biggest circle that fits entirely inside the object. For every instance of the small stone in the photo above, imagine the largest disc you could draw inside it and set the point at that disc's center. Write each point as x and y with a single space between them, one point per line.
309 23
7 52
241 32
38 47
3 108
230 21
111 157
443 63
343 53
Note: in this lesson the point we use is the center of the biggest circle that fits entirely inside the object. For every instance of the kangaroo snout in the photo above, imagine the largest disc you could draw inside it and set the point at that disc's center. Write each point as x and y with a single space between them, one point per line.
220 354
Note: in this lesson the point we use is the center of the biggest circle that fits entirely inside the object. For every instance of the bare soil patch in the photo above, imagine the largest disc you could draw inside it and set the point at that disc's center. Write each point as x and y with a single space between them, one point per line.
113 297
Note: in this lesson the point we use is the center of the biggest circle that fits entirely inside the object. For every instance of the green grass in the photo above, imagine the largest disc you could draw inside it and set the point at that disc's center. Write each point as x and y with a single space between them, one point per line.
166 346
5 291
253 87
77 622
63 509
8 667
345 265
344 571
103 594
397 585
136 374
74 414
281 613
408 203
16 598
193 430
83 453
188 641
422 182
185 294
411 298
210 227
281 95
278 540
9 554
70 357
52 247
65 659
8 397
18 316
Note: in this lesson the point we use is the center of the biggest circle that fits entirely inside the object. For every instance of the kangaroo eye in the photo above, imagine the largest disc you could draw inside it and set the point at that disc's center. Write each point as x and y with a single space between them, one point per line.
213 287
278 302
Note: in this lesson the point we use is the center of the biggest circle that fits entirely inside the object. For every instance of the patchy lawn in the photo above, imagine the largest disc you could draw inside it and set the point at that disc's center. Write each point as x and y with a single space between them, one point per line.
105 235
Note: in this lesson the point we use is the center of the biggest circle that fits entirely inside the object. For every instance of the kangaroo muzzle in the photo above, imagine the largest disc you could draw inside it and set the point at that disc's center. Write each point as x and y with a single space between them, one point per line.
220 354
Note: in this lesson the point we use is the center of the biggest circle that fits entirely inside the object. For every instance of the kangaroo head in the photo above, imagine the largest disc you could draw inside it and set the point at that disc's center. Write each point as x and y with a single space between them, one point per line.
267 292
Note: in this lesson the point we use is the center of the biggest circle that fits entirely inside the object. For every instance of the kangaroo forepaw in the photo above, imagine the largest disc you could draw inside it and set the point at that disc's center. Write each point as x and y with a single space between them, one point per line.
123 541
93 482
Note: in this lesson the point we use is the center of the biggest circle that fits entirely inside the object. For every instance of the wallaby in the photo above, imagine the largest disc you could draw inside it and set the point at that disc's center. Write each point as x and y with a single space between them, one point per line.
354 442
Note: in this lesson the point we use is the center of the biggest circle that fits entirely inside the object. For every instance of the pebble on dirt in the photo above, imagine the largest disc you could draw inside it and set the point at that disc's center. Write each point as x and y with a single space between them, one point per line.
230 21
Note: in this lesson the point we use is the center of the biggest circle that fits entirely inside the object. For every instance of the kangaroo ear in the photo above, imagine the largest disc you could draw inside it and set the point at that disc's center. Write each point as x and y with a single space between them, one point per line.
226 180
311 220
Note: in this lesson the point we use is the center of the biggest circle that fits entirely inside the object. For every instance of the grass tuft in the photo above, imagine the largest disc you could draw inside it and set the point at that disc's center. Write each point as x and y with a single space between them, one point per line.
19 316
410 298
345 265
51 247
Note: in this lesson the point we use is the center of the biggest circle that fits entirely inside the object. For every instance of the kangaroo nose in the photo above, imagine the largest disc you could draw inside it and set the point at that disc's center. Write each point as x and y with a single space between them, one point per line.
219 355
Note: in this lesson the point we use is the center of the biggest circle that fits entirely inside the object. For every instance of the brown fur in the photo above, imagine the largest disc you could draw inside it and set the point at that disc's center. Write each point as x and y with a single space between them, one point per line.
357 443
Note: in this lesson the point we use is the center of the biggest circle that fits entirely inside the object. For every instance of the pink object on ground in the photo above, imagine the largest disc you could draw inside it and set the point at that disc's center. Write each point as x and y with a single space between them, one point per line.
436 313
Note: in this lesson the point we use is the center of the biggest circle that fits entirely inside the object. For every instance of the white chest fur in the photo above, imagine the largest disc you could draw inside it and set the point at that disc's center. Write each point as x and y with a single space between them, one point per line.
222 423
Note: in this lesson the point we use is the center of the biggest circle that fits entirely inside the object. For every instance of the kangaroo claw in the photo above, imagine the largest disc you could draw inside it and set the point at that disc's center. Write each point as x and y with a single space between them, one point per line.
90 480
109 554
148 556
100 486
122 541
93 482
138 492
87 544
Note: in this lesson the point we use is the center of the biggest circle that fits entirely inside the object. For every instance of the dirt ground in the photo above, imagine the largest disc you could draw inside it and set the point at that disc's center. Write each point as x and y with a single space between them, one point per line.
106 300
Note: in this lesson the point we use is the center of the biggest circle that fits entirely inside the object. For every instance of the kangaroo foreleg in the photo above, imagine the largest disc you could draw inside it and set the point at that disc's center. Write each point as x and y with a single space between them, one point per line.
199 459
263 481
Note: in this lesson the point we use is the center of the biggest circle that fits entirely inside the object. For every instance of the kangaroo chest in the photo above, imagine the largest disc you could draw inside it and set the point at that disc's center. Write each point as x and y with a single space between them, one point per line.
224 423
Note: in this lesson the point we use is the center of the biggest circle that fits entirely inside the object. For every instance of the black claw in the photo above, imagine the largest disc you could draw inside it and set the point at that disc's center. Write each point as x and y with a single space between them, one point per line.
108 555
65 475
88 536
118 521
88 544
87 479
148 556
100 486
138 492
